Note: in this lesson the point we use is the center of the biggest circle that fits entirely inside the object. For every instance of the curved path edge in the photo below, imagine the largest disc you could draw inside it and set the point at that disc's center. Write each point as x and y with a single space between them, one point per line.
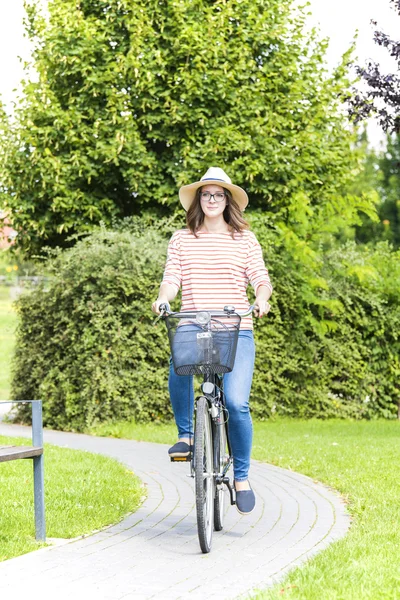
154 553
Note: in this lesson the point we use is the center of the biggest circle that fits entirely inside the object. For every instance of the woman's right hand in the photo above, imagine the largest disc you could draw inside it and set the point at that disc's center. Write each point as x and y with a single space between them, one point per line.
166 294
155 307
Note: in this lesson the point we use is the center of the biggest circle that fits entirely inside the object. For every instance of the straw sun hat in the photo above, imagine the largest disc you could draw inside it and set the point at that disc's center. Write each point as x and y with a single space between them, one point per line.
216 176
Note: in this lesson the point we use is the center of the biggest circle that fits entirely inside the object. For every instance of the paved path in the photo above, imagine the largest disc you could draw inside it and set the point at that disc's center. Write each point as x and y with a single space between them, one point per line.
154 553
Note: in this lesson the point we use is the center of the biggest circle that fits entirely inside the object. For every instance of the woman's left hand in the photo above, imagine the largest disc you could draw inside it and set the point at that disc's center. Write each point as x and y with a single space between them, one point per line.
262 308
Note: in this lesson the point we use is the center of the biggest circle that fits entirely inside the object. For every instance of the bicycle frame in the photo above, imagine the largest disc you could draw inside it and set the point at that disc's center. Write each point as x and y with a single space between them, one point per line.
211 457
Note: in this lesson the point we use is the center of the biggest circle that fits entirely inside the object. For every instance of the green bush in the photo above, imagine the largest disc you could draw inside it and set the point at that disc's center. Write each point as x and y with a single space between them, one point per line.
366 282
85 343
330 346
87 346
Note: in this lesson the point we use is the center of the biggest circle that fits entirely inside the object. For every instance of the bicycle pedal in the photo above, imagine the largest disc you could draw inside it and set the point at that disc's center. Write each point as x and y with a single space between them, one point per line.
181 458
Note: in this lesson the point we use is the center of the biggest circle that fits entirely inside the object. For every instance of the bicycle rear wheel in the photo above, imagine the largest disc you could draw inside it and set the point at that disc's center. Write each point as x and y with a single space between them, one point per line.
204 475
220 491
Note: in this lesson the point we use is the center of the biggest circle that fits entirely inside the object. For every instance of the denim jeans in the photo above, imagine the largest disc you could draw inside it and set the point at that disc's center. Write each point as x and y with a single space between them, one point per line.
237 385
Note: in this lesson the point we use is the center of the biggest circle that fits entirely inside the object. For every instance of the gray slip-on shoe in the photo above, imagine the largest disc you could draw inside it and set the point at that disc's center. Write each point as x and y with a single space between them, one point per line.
180 449
245 501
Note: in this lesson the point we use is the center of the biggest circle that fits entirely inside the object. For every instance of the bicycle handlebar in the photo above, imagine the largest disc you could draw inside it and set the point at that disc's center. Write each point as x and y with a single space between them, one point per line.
165 310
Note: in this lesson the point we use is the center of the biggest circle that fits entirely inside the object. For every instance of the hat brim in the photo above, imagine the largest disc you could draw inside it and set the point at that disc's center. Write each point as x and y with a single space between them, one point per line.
187 193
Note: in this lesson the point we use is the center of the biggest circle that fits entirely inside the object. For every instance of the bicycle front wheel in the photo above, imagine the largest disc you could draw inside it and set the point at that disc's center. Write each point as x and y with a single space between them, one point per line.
204 475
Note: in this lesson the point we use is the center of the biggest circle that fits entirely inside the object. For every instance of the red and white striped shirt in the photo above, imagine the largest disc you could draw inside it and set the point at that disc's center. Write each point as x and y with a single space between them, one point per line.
215 269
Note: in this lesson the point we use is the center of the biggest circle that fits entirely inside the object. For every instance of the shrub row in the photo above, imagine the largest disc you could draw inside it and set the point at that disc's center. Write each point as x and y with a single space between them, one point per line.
331 346
86 343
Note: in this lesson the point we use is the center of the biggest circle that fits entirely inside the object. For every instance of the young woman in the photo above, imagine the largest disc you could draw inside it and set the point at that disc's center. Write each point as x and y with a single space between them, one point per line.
213 261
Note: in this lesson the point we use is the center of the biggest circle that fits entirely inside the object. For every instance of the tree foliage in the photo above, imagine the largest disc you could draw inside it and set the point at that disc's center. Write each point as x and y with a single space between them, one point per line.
380 176
382 99
389 211
133 99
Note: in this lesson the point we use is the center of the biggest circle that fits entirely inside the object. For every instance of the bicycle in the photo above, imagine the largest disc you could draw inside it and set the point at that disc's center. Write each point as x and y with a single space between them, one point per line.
204 343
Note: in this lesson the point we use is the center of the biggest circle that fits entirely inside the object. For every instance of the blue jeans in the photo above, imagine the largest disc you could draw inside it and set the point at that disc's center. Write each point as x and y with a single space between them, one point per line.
237 385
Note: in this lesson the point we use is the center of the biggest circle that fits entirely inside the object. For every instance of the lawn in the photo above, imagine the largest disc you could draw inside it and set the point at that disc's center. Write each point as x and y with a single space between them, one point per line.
360 460
79 496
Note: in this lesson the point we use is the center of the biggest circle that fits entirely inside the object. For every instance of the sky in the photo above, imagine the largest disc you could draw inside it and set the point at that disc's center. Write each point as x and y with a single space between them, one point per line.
339 20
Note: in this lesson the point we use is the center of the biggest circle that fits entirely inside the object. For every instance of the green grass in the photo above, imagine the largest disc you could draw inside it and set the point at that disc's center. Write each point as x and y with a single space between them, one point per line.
84 492
8 321
160 433
360 460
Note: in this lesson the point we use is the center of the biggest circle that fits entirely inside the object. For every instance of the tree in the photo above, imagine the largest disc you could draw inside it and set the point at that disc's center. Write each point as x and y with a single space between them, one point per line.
382 98
380 175
389 211
134 98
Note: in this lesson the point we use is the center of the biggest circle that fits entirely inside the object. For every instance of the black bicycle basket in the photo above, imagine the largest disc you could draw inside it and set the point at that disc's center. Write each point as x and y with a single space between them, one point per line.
199 349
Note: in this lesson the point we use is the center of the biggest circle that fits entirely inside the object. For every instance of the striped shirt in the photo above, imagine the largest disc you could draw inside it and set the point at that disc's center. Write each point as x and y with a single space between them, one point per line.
215 269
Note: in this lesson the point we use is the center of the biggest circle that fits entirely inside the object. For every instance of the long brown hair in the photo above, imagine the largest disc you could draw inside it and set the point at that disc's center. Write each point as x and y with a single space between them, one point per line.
232 215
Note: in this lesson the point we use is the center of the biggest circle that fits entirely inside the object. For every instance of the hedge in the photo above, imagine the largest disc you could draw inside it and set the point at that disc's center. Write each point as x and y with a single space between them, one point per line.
331 351
86 343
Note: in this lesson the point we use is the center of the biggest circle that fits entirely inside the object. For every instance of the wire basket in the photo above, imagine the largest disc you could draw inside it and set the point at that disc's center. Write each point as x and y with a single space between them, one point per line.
203 349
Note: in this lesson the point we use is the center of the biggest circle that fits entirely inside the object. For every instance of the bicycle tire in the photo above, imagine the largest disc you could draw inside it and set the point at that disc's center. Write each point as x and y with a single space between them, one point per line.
220 491
204 475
